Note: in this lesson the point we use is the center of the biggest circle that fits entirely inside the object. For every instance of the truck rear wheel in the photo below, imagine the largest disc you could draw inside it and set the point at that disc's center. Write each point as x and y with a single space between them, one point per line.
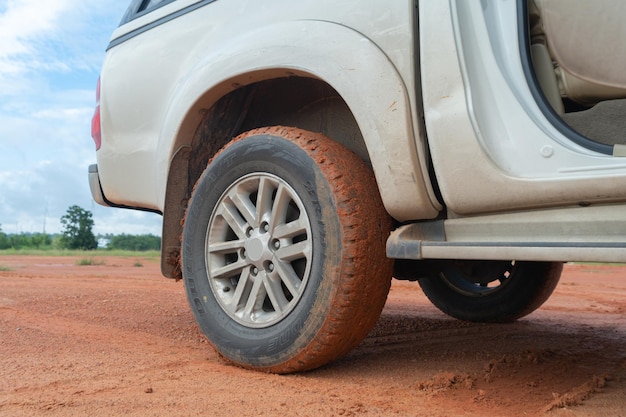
491 291
284 250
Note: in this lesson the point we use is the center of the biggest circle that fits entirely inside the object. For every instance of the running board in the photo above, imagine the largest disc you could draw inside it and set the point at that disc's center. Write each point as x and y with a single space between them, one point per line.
583 234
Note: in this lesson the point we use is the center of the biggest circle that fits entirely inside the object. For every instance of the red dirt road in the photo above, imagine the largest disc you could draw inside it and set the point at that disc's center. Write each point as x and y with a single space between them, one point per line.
118 339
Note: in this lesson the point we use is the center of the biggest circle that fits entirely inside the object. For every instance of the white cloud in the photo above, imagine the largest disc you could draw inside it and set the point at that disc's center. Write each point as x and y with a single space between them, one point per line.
26 26
24 20
50 56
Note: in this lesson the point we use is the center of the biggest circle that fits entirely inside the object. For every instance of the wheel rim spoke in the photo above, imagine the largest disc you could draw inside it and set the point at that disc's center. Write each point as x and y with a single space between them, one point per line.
264 199
229 270
279 208
227 247
275 293
241 292
291 229
289 277
242 203
233 219
293 252
255 300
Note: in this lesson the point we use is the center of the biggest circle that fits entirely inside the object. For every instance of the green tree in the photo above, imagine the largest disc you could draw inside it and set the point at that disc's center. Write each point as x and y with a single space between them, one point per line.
77 224
5 242
39 240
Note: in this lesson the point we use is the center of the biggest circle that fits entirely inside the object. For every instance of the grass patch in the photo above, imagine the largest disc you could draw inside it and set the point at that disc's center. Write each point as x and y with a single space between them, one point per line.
5 268
89 262
151 255
138 264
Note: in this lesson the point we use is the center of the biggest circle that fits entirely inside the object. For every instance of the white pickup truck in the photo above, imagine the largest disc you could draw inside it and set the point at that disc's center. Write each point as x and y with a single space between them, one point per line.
302 153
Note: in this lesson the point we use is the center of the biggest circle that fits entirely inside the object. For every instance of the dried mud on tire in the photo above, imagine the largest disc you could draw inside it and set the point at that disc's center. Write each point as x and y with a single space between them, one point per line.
118 339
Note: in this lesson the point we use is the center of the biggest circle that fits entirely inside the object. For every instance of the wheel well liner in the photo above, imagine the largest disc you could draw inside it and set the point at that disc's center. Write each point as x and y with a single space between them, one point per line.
305 103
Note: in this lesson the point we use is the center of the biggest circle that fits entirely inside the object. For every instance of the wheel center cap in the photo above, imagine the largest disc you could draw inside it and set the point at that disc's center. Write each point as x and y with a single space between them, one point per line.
255 248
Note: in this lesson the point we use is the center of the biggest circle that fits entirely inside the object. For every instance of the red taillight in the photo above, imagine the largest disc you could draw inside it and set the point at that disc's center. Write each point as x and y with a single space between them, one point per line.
96 130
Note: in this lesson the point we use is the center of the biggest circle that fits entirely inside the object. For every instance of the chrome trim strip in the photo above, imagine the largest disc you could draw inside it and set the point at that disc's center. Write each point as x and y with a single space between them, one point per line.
158 22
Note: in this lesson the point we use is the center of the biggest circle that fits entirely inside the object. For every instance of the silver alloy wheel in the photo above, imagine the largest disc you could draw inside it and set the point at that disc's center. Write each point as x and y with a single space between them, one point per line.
259 250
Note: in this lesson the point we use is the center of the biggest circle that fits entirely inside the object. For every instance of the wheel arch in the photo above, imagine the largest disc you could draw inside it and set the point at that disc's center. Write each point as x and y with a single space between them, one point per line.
362 90
299 101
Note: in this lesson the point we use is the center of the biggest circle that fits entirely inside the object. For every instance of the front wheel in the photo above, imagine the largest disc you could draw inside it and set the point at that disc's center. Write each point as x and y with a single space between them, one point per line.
491 291
284 250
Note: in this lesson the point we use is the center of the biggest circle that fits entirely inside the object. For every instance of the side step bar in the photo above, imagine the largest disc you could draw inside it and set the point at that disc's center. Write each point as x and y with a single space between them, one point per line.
583 234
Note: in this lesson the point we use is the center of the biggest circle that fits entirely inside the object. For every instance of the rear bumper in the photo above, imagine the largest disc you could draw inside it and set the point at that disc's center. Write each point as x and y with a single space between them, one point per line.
96 189
98 195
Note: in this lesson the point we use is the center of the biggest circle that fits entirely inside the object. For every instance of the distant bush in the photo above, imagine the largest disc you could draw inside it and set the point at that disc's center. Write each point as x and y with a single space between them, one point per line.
135 242
89 262
24 240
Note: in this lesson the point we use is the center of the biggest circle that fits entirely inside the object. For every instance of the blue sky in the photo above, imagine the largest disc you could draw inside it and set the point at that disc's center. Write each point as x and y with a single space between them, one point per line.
50 57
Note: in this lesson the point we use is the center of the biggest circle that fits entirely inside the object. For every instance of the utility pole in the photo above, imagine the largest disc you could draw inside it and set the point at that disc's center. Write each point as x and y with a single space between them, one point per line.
45 213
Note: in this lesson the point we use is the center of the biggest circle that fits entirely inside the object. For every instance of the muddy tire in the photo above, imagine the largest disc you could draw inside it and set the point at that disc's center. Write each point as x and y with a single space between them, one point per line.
284 250
491 291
